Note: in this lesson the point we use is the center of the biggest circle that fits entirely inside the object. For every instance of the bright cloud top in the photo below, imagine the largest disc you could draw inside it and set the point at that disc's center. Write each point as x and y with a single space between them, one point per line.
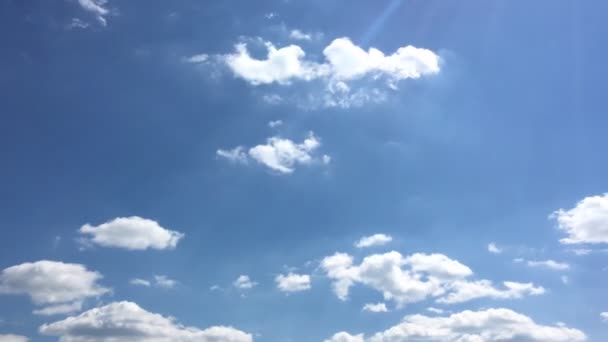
96 7
587 222
243 282
279 154
13 338
373 240
378 307
126 321
550 264
132 233
492 325
415 278
492 248
293 282
58 287
604 316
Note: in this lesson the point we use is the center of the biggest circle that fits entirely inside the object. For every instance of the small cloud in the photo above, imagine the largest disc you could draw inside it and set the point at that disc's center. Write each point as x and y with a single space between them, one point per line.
235 155
243 282
299 35
293 282
518 260
164 282
270 15
139 282
373 240
565 279
276 123
549 264
77 24
435 310
586 223
492 248
604 316
215 288
582 251
379 307
201 58
96 7
273 99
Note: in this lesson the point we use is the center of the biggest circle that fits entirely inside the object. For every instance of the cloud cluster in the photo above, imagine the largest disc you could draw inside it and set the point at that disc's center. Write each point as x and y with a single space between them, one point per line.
415 278
159 281
96 7
587 222
126 321
279 154
292 282
243 282
373 240
56 287
491 325
549 264
132 233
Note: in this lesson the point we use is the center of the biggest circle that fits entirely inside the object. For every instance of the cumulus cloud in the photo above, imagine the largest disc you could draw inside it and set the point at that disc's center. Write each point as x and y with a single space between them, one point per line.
276 123
415 278
346 337
55 286
373 240
132 233
587 222
550 264
378 307
293 282
126 321
344 63
279 154
96 7
244 282
13 338
604 316
492 248
491 325
140 282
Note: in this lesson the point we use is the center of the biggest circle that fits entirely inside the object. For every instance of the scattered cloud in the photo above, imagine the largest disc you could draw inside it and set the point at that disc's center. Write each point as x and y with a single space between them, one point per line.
491 325
565 279
373 240
604 316
299 35
416 277
275 123
140 282
270 15
200 58
587 222
77 24
492 248
278 154
273 99
54 286
346 337
96 7
550 264
126 321
435 310
581 251
293 282
378 307
132 233
164 282
13 338
243 282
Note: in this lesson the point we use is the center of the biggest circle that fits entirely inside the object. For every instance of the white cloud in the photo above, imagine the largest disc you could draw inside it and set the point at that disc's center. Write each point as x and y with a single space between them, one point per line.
299 35
140 282
59 309
54 286
243 282
491 325
77 23
346 337
582 251
550 264
587 222
565 279
164 281
96 7
415 278
200 58
279 154
378 307
435 310
126 321
272 99
373 240
492 248
276 123
132 233
13 338
293 282
604 316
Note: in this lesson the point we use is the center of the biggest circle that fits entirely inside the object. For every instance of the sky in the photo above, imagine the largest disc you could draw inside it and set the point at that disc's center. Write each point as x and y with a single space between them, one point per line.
290 170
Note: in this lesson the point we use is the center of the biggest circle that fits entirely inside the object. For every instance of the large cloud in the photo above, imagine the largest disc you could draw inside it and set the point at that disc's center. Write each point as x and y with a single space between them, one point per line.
133 233
13 338
279 154
415 278
126 321
491 325
587 222
56 286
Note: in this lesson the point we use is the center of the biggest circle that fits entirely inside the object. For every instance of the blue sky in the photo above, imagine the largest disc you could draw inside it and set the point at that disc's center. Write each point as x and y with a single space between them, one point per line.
222 163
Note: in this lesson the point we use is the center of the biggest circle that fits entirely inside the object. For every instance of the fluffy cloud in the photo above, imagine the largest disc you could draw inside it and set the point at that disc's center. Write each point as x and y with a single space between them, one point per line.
279 154
243 282
126 321
164 281
140 282
132 233
56 286
550 264
346 337
415 278
299 35
96 7
373 240
378 307
604 316
587 222
13 338
491 325
293 282
492 248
